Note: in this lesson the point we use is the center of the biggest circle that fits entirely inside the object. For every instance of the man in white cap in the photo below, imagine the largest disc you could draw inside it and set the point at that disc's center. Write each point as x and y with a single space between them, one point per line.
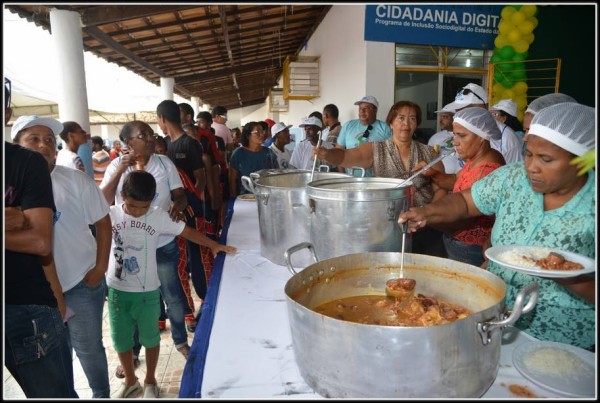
281 137
366 128
442 140
302 157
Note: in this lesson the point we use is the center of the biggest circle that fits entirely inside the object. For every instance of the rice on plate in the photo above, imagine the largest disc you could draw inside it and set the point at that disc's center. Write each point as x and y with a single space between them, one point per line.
524 257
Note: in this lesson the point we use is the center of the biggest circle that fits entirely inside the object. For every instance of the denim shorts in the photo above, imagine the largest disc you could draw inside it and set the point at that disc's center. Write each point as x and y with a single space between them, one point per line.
129 309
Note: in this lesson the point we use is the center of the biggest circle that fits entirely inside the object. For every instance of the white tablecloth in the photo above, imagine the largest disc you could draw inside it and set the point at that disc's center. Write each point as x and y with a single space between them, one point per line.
243 349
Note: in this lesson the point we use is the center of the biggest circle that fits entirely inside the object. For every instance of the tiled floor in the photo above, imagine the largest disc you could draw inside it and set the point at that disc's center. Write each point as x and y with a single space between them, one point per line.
168 371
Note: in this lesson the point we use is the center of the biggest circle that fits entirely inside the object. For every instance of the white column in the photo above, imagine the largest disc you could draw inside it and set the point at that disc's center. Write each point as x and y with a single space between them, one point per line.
195 101
73 103
206 107
166 85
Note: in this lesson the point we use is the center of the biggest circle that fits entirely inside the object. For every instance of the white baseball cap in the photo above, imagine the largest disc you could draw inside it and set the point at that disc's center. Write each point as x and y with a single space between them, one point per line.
24 122
279 127
446 109
470 94
368 99
313 120
506 105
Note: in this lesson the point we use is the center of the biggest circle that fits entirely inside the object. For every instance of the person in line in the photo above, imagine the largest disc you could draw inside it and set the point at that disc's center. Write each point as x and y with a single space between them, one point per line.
133 281
116 150
399 157
32 292
81 259
281 138
367 128
332 124
100 159
539 202
268 124
219 118
171 198
303 156
73 136
473 130
248 158
442 141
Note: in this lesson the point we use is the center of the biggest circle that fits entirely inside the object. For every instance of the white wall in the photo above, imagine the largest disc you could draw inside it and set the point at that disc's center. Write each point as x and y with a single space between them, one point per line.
421 95
345 74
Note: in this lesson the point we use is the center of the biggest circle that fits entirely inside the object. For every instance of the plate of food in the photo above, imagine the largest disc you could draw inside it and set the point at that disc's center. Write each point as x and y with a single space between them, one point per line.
541 261
248 196
561 368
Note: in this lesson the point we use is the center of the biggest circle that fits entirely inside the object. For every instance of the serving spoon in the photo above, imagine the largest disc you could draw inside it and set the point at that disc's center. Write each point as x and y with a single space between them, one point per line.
426 167
312 173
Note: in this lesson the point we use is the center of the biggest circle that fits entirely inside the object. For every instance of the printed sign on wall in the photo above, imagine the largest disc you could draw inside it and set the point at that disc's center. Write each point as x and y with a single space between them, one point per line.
462 26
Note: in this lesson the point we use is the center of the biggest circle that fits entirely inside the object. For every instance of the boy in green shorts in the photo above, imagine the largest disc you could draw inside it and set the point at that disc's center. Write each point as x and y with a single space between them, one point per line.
132 277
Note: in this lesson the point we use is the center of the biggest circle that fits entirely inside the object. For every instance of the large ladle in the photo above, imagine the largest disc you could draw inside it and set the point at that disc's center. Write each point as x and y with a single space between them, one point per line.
425 168
312 173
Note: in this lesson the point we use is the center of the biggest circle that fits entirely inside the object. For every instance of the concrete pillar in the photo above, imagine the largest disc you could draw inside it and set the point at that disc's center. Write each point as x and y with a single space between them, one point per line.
195 101
166 85
206 107
73 103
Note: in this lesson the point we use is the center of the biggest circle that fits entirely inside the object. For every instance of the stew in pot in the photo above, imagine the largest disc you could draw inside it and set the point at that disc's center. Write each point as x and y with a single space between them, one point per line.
401 309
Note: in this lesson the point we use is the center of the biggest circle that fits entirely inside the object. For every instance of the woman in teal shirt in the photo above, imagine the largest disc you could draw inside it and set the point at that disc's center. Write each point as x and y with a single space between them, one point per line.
541 202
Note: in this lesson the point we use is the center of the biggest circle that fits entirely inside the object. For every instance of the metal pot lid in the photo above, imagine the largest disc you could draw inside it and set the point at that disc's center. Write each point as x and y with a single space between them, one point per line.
358 189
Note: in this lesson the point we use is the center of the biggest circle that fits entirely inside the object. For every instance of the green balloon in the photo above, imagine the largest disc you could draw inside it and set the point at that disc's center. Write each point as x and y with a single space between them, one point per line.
518 75
506 82
507 52
496 58
519 57
505 67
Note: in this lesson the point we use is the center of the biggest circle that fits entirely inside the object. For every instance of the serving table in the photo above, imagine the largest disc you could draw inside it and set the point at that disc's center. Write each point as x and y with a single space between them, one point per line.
242 347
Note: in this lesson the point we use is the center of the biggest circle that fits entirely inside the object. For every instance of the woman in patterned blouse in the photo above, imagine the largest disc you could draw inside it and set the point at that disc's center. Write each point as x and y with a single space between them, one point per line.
542 201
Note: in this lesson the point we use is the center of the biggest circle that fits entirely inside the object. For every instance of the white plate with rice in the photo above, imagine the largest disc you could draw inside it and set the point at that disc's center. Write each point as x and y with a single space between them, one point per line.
561 368
520 258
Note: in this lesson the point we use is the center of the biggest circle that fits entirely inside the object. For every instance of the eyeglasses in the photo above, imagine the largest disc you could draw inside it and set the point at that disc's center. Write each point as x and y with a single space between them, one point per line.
467 91
367 132
495 114
144 135
8 87
223 116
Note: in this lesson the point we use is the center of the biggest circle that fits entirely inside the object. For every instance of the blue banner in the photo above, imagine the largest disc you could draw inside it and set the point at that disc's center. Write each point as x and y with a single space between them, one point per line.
462 26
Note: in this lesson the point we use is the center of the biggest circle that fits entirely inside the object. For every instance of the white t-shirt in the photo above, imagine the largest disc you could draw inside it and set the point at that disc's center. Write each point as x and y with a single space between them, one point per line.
303 158
283 157
79 203
166 176
68 158
443 138
509 145
132 265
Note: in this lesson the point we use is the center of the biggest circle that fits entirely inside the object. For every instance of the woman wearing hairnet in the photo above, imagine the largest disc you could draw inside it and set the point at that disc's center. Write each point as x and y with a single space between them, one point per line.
473 129
539 202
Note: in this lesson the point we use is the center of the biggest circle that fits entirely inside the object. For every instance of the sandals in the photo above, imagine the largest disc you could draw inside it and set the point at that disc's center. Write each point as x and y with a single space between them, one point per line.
120 371
151 391
126 390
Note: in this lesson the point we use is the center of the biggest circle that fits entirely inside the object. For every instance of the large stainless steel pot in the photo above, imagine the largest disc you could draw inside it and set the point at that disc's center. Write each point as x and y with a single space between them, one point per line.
350 360
282 211
351 215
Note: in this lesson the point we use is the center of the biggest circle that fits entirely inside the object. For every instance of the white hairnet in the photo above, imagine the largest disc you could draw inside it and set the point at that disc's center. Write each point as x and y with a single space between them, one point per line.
569 125
546 100
480 121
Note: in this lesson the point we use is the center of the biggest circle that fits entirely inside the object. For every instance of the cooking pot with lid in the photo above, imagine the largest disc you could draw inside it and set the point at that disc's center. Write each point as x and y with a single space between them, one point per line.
282 210
342 359
351 215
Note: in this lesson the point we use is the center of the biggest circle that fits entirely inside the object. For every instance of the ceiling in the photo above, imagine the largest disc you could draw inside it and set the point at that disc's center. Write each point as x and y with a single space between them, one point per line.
227 54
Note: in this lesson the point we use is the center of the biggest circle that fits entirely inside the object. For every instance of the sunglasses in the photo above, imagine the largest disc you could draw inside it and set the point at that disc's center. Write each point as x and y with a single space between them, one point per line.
144 135
467 91
8 91
367 132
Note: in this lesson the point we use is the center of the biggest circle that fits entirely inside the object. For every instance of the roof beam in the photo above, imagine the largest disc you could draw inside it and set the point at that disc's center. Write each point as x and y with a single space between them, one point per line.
100 15
226 71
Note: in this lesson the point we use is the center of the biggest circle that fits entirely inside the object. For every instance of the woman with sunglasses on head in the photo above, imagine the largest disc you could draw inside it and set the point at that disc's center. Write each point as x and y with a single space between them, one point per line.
399 157
252 156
